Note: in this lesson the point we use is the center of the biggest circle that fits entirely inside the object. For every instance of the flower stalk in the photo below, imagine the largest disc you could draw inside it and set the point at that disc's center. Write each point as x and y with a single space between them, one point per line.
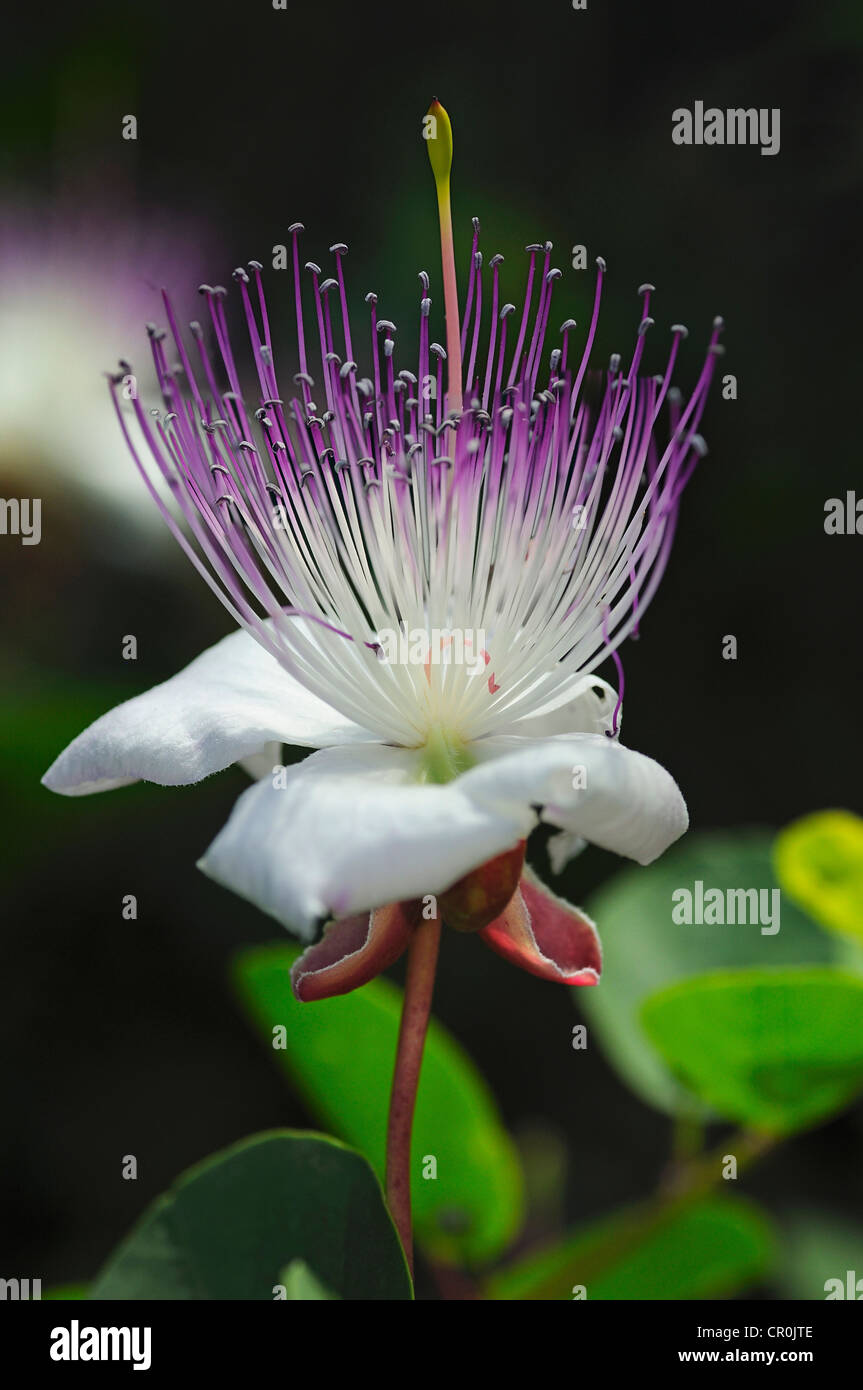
419 987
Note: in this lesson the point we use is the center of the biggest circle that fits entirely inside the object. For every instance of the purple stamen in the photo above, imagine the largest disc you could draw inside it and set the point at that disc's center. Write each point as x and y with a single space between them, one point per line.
537 513
615 656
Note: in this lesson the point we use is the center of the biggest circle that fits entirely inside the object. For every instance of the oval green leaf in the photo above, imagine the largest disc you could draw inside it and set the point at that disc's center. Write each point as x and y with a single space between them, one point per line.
229 1227
776 1050
339 1053
645 950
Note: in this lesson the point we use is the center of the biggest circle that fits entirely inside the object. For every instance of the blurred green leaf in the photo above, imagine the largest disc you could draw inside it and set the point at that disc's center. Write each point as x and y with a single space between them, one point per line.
39 723
340 1054
645 950
301 1284
775 1050
44 720
66 1291
228 1227
708 1250
817 1246
819 863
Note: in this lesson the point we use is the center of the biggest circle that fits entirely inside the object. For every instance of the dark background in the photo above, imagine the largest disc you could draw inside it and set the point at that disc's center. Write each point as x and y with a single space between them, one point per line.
122 1037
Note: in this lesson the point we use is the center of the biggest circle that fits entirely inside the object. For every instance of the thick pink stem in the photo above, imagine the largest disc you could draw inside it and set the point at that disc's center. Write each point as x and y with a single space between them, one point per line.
419 987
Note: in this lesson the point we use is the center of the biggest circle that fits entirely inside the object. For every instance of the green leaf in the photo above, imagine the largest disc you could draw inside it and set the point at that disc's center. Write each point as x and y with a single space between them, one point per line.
41 718
645 950
776 1050
819 863
340 1052
66 1291
301 1284
817 1247
708 1250
229 1226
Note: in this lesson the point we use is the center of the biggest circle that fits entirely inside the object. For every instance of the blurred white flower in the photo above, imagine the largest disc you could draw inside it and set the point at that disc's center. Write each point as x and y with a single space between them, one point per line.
75 290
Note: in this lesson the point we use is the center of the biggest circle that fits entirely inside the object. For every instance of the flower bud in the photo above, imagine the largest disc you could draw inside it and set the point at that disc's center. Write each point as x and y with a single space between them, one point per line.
482 895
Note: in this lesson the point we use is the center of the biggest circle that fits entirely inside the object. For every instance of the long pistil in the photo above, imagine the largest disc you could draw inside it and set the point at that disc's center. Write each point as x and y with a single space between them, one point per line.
439 142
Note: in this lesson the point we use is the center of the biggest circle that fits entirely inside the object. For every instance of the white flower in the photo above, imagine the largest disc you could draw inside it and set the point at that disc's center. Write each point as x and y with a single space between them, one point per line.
323 523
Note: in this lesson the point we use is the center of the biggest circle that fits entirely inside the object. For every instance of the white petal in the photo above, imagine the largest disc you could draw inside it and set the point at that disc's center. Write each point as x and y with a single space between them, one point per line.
562 848
351 829
262 763
225 706
588 785
585 707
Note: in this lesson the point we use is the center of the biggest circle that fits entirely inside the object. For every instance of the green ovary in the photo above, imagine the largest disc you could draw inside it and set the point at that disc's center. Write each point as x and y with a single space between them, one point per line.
443 757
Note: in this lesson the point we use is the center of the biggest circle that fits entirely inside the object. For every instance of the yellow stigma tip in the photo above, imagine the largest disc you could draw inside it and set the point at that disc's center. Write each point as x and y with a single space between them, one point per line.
438 136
